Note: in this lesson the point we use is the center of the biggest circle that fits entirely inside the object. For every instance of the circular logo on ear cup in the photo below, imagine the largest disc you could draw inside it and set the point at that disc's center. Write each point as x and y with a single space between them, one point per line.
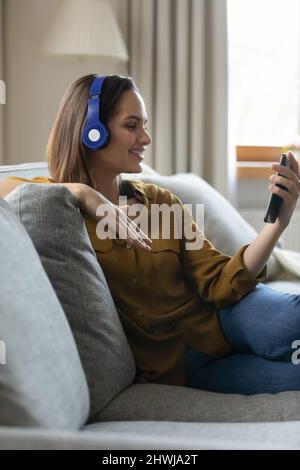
94 135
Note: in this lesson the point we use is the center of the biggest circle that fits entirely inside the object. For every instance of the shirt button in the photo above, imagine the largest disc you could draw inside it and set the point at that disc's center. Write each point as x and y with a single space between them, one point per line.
128 245
134 280
140 313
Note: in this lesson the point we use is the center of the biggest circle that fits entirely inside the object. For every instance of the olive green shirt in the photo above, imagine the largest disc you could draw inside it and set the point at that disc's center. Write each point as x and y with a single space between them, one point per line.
168 297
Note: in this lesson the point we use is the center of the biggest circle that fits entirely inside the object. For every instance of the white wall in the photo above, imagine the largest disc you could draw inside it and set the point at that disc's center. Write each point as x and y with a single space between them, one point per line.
35 82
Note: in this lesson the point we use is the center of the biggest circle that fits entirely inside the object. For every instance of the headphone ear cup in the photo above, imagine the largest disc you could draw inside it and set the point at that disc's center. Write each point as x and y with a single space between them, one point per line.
96 137
106 136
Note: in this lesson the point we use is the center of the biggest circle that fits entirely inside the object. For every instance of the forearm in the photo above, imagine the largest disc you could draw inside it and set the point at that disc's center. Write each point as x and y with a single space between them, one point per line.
258 252
90 199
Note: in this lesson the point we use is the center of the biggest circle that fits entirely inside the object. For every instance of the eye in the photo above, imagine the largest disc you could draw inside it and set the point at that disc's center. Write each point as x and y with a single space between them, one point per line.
133 126
130 126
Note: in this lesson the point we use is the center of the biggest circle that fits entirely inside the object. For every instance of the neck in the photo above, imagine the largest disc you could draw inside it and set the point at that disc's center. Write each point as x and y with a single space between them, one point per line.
109 187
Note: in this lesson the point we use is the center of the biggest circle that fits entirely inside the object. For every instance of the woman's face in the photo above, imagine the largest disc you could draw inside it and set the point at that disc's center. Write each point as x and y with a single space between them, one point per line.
129 137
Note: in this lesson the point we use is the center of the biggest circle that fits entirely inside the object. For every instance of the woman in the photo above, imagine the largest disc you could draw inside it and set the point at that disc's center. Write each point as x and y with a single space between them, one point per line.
194 317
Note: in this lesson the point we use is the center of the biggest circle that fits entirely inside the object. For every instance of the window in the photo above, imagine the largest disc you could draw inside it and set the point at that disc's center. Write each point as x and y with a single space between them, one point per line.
264 73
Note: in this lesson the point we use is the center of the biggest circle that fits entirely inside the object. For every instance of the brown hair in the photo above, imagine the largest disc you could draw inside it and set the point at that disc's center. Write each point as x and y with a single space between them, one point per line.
68 159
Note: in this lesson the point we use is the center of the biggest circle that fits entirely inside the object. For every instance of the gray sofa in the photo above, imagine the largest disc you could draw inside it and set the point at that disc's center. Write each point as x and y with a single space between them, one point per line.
67 378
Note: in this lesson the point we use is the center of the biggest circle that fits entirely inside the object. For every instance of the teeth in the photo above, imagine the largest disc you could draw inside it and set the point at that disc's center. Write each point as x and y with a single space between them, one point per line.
136 152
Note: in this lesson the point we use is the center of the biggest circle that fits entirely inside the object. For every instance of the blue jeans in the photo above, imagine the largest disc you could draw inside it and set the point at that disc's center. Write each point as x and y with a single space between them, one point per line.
261 329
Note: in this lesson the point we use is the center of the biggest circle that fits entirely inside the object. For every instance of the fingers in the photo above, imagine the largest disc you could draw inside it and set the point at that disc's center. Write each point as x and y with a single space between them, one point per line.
142 235
134 237
287 173
131 232
287 177
289 184
282 193
136 227
293 162
136 234
289 195
283 170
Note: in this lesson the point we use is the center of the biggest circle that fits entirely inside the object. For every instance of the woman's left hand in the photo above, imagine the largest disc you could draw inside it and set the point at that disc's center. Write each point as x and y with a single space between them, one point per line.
292 182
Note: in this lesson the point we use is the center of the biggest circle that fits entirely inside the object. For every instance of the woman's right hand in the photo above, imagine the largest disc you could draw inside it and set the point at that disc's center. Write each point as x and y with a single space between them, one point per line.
124 225
90 199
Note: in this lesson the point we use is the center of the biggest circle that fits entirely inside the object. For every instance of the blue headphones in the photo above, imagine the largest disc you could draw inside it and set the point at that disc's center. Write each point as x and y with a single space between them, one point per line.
95 134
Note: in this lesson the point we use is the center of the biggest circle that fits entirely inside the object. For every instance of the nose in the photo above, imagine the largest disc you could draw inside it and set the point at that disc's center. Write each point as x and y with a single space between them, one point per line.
146 139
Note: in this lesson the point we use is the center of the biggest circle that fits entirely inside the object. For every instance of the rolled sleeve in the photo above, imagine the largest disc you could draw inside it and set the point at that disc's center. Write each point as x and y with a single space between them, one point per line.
217 277
240 279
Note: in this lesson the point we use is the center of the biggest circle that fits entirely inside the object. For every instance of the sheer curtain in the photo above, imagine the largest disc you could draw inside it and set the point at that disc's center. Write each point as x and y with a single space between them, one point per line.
178 57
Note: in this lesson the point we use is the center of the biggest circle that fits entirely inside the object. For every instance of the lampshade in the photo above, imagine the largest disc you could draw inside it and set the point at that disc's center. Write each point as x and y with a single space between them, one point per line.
86 28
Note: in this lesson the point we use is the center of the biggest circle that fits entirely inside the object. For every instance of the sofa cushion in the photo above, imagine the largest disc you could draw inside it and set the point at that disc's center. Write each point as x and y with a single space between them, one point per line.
226 229
51 216
160 402
42 383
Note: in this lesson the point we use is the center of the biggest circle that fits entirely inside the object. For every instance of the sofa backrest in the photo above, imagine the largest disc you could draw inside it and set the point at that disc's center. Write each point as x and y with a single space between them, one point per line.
24 170
42 383
30 170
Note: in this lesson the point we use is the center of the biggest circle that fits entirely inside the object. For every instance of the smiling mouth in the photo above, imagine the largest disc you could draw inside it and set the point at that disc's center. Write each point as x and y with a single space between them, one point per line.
137 154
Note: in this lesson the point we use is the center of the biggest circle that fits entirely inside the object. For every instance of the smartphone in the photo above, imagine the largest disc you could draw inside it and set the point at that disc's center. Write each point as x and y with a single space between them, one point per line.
275 201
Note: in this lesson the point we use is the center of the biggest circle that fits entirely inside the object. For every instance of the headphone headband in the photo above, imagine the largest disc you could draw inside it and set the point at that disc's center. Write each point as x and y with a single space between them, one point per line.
95 134
97 86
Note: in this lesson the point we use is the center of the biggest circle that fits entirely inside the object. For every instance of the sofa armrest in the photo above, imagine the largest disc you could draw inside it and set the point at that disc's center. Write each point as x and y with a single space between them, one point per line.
12 438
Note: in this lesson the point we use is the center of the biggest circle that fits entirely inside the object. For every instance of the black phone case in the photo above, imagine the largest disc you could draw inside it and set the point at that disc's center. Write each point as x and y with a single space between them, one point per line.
275 201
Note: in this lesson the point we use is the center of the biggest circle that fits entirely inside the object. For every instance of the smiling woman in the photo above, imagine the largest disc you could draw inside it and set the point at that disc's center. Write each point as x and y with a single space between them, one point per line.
169 295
